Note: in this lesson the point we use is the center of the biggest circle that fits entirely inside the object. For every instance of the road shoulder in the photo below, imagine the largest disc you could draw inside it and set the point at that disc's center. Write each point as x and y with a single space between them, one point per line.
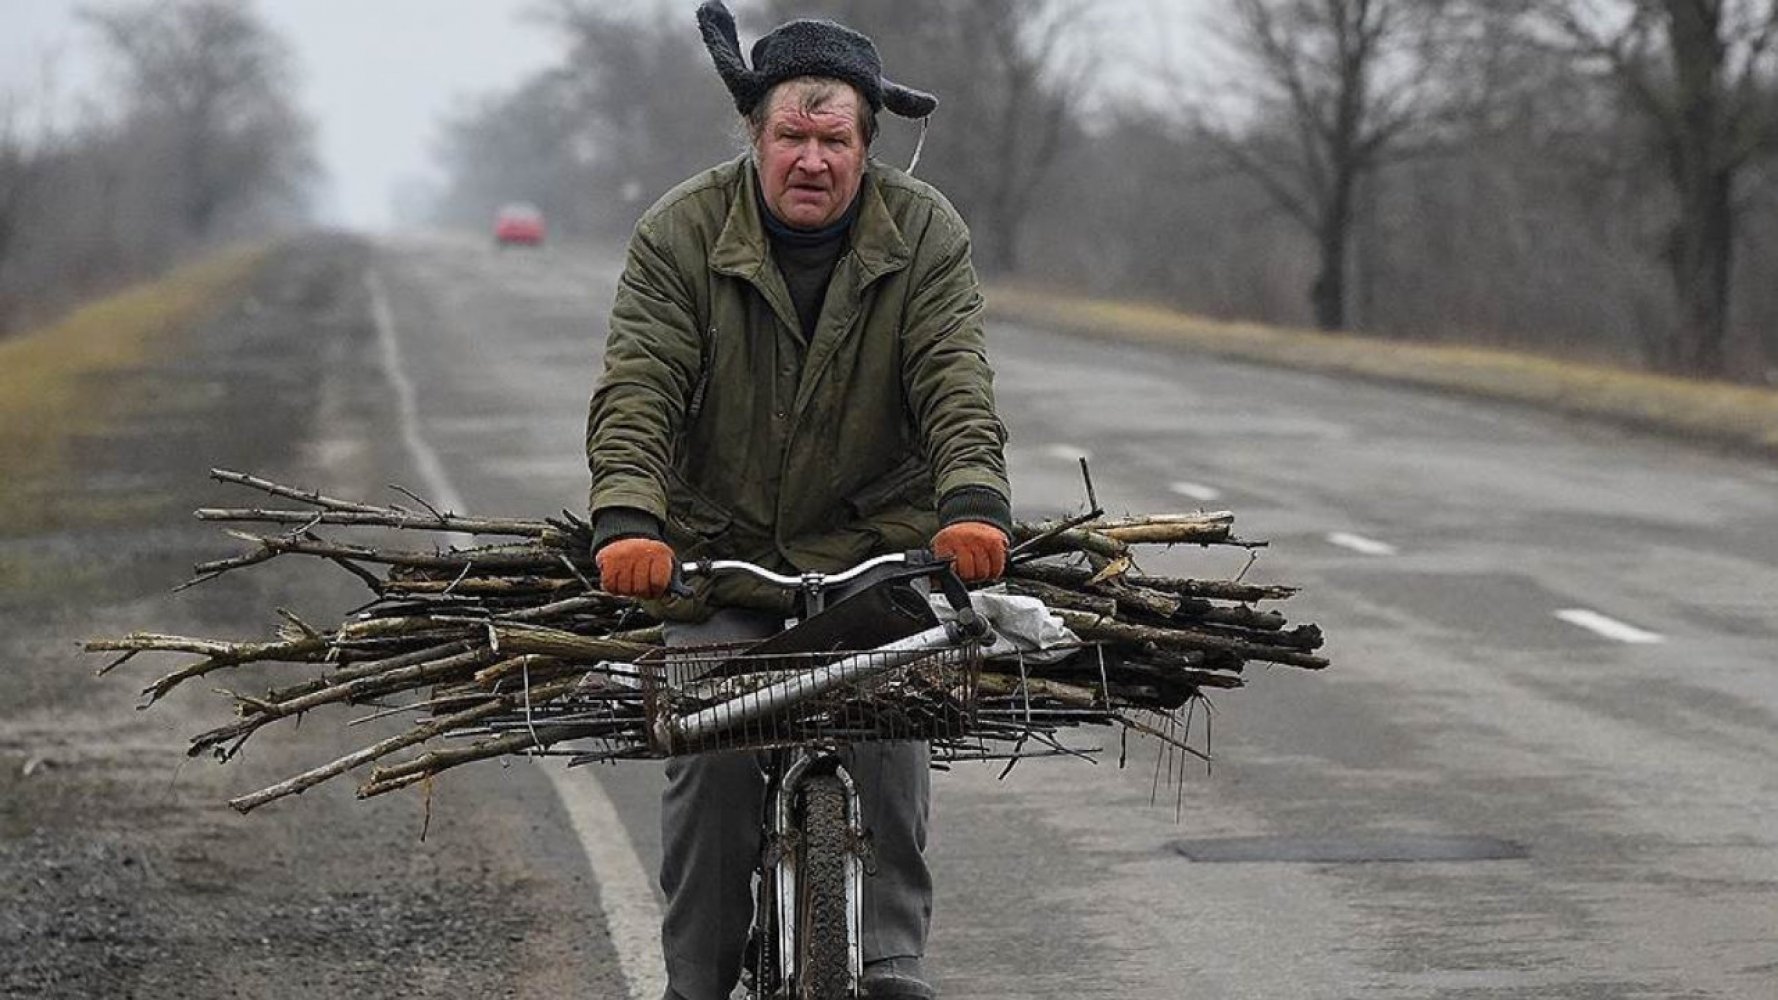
1732 417
122 872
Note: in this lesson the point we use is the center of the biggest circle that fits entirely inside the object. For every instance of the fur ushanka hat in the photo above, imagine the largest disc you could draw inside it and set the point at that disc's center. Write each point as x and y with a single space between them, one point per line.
803 48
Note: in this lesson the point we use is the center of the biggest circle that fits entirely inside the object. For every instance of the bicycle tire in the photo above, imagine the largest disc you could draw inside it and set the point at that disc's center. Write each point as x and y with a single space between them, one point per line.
823 966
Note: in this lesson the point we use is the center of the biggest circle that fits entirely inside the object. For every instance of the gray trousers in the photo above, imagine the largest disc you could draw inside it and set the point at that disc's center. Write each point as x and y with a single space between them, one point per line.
710 842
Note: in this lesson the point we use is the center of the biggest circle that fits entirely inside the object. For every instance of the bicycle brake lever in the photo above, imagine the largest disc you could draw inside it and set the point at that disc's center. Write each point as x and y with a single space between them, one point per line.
952 586
677 586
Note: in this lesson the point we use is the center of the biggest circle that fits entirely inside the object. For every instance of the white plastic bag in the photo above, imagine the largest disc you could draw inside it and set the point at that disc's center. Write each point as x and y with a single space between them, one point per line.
1022 625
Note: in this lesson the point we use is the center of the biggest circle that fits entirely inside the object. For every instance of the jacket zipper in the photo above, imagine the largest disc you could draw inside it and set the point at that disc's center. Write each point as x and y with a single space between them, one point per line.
698 391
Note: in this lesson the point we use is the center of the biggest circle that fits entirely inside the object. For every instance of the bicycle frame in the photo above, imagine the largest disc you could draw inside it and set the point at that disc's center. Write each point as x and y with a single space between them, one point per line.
671 731
792 768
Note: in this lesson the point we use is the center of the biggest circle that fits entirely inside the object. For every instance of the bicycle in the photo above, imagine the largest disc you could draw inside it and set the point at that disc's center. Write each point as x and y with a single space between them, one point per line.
800 696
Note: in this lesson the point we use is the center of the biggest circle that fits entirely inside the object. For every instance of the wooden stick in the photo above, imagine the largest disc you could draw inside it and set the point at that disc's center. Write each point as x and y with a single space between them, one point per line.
567 645
1200 533
473 631
508 558
306 496
1073 577
363 687
434 761
1089 626
216 654
393 518
419 734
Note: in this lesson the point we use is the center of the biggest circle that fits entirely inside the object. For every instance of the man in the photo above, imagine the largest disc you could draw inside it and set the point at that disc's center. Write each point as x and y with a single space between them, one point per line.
795 375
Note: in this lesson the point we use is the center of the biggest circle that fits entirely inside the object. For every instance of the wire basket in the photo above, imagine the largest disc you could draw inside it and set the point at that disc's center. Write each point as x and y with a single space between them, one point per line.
702 699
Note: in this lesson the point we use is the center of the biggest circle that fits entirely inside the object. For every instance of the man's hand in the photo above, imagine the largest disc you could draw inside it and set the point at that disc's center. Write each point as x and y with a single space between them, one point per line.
979 549
635 567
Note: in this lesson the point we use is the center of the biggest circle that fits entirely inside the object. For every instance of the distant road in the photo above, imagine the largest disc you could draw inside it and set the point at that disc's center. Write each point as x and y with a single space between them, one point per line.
1542 764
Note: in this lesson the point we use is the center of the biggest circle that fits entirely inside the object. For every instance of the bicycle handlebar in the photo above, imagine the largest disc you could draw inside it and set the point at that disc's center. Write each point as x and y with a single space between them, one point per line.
814 584
801 581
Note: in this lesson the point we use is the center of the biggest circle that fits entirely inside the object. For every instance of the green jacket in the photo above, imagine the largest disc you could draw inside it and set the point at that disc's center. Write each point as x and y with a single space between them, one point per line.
714 416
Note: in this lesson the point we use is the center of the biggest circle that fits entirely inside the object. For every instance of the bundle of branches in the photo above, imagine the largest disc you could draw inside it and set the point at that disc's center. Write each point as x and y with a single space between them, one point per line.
514 646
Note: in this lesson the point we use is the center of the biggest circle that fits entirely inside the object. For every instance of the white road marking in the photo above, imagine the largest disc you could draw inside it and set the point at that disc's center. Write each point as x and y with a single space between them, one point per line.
626 896
1608 627
437 486
1196 491
1359 543
1066 452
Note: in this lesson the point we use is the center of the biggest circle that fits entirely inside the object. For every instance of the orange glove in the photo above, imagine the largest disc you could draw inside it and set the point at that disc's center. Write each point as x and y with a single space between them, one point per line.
978 547
635 567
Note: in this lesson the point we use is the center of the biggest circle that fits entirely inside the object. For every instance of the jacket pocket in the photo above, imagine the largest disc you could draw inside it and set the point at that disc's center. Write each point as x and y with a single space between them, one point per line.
909 482
692 512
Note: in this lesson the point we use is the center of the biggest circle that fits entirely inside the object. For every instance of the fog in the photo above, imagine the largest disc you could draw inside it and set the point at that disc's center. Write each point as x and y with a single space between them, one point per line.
1462 170
377 78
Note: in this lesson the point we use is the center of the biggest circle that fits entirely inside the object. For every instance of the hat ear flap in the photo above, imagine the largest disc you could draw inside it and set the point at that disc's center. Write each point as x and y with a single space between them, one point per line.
717 26
906 101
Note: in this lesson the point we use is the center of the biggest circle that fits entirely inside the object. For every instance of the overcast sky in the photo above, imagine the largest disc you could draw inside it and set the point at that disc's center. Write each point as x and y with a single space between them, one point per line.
377 76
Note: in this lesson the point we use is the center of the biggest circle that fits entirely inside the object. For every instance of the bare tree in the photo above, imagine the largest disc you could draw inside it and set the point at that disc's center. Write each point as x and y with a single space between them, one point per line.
652 111
517 146
198 141
1338 87
209 90
19 170
630 109
1701 76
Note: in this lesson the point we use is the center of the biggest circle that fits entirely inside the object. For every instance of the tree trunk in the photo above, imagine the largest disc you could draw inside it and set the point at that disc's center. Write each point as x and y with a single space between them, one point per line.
1701 256
1701 245
1335 236
1003 239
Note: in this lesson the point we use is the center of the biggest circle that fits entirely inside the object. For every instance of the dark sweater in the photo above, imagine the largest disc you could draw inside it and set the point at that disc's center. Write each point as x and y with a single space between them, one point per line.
806 258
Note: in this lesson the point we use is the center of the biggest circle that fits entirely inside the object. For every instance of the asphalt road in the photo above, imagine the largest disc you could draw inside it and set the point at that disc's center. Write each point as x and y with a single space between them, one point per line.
1542 764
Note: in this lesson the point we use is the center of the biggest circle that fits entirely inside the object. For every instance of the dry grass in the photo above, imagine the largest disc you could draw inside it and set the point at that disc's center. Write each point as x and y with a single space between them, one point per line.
54 384
1737 416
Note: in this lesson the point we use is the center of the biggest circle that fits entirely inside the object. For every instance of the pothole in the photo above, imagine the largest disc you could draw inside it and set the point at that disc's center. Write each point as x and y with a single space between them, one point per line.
1350 849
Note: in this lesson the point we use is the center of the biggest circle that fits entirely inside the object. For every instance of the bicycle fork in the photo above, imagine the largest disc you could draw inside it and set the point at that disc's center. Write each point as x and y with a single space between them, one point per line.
780 894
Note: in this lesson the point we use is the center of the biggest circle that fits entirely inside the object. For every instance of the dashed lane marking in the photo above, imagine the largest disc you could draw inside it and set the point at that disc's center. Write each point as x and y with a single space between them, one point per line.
407 411
1361 544
1609 627
1196 491
632 914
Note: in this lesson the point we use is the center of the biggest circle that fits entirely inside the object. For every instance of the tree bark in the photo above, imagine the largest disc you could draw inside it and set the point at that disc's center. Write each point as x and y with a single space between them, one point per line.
1701 245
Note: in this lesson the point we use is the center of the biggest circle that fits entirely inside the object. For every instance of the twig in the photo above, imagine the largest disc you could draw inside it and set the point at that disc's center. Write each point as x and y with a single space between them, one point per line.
1052 531
422 501
419 734
278 489
384 518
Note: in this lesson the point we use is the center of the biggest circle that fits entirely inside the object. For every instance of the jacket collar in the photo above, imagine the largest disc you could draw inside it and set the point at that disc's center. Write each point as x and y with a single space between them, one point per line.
741 249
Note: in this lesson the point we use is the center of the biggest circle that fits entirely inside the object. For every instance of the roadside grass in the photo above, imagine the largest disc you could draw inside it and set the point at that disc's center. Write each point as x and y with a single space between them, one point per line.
70 380
1739 417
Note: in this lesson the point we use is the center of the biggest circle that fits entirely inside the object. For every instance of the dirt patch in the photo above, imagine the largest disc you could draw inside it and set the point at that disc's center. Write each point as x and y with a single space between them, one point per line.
84 374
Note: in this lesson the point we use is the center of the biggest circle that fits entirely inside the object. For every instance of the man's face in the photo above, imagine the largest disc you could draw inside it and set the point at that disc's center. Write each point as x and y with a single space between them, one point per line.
810 161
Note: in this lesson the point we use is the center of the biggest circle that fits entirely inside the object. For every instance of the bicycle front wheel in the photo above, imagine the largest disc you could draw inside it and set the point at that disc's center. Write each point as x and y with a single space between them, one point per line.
824 951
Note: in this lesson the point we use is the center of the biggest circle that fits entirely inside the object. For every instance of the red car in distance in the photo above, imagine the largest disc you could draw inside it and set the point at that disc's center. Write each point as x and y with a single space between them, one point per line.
518 224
